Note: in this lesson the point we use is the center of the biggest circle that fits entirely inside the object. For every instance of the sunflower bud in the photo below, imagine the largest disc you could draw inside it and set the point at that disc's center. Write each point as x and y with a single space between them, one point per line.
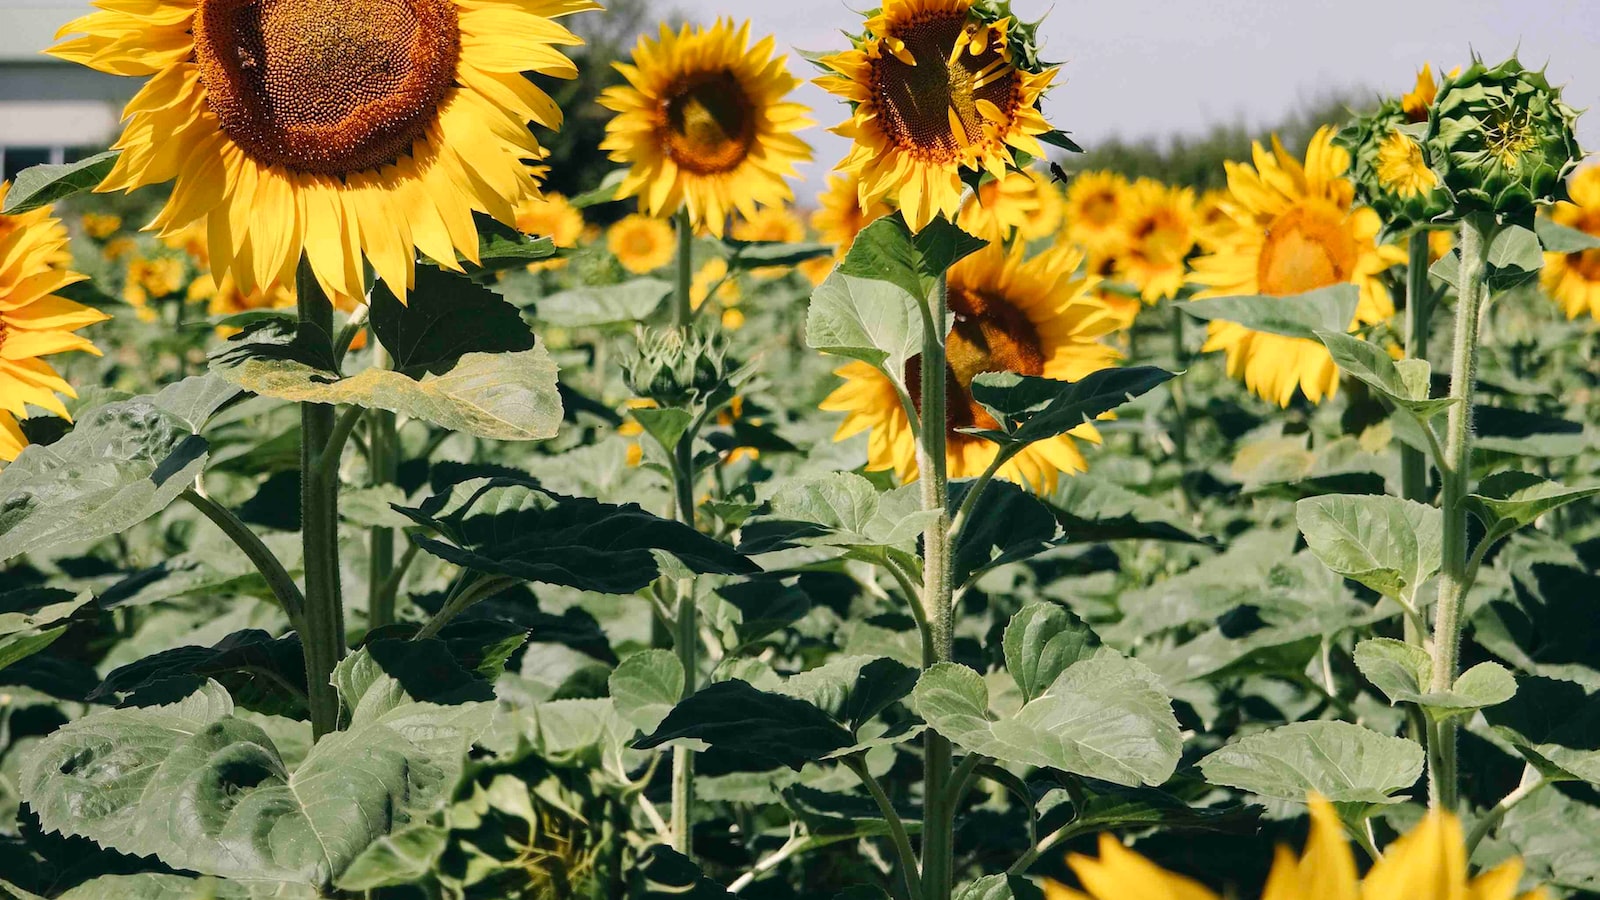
677 367
1390 169
1501 140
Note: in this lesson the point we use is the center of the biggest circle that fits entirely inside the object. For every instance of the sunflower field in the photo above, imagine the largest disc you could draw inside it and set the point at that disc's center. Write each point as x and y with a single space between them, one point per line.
379 522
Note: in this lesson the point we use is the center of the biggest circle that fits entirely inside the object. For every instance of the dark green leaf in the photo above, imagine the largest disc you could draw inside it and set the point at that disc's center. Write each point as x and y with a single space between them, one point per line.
444 317
1031 409
1555 724
43 185
264 673
886 250
1093 509
746 255
768 729
1042 641
1006 525
665 874
1507 501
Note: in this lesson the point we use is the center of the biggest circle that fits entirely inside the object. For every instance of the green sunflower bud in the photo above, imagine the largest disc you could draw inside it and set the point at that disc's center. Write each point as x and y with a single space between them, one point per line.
1501 140
677 367
1390 170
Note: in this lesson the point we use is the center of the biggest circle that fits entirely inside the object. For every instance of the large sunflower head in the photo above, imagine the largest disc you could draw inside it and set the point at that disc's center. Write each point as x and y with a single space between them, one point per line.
1031 316
1391 172
1096 211
1501 140
936 87
641 243
1573 279
704 125
1160 232
341 129
34 321
1427 863
1295 230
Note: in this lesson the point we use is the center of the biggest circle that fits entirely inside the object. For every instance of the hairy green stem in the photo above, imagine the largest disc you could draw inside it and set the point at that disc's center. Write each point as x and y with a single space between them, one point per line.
682 306
323 637
1532 782
1455 472
1419 294
1180 403
383 464
469 592
686 642
897 828
278 580
938 831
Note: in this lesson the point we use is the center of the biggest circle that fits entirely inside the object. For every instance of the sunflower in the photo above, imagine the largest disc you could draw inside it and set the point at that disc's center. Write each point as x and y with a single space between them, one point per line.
713 281
100 226
770 224
934 87
1296 231
1011 315
1427 863
341 129
35 321
1160 233
1096 211
641 243
1212 223
1573 279
838 218
150 279
1416 103
553 217
1015 204
703 123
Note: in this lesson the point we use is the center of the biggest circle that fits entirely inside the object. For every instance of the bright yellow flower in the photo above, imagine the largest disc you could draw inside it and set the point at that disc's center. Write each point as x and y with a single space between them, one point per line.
704 124
776 224
118 247
1295 231
641 243
1034 317
1402 168
1416 102
714 274
1573 279
160 277
1096 212
733 319
348 130
1160 233
34 321
192 240
839 217
1428 863
933 89
1212 220
551 216
99 226
1005 206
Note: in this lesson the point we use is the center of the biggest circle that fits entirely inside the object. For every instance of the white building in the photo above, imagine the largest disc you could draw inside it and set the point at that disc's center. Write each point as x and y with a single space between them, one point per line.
51 111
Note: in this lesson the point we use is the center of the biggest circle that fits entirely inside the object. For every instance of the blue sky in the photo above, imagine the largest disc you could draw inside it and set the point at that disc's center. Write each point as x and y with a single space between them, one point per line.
1155 67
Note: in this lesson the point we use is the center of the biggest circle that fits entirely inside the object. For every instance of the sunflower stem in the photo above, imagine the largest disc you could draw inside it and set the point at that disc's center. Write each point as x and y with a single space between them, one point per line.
1413 460
382 467
685 642
938 821
323 639
682 305
1477 233
1180 402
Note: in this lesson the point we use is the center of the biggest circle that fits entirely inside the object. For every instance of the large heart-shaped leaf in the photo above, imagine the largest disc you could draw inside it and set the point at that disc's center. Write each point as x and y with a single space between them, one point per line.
1298 316
1104 717
886 250
511 526
646 686
874 321
203 790
267 674
1346 763
588 306
1558 836
1386 543
1030 408
1402 672
1007 524
500 396
444 317
123 463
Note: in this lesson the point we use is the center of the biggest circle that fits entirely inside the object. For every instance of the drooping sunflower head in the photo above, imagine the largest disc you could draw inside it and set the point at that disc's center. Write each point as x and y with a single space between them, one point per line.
1160 234
1096 208
641 243
1012 314
704 125
937 87
1429 862
1573 279
1390 170
1295 229
344 130
34 320
1502 141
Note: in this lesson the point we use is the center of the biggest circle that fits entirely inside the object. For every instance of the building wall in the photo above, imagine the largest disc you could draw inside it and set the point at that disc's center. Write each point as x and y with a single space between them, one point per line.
55 112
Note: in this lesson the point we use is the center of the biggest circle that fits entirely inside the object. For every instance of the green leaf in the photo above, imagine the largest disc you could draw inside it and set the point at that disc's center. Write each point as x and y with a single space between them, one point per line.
999 887
662 873
751 610
646 686
123 463
1112 808
1348 764
852 689
1515 247
838 509
886 250
1042 641
444 317
499 396
1390 545
32 619
667 426
874 321
1505 430
763 729
501 247
1298 316
591 306
747 255
264 673
1104 717
1557 238
1031 409
154 886
605 193
1094 509
1007 524
1558 837
1555 724
511 526
405 857
1507 501
1403 672
43 185
201 789
1404 383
